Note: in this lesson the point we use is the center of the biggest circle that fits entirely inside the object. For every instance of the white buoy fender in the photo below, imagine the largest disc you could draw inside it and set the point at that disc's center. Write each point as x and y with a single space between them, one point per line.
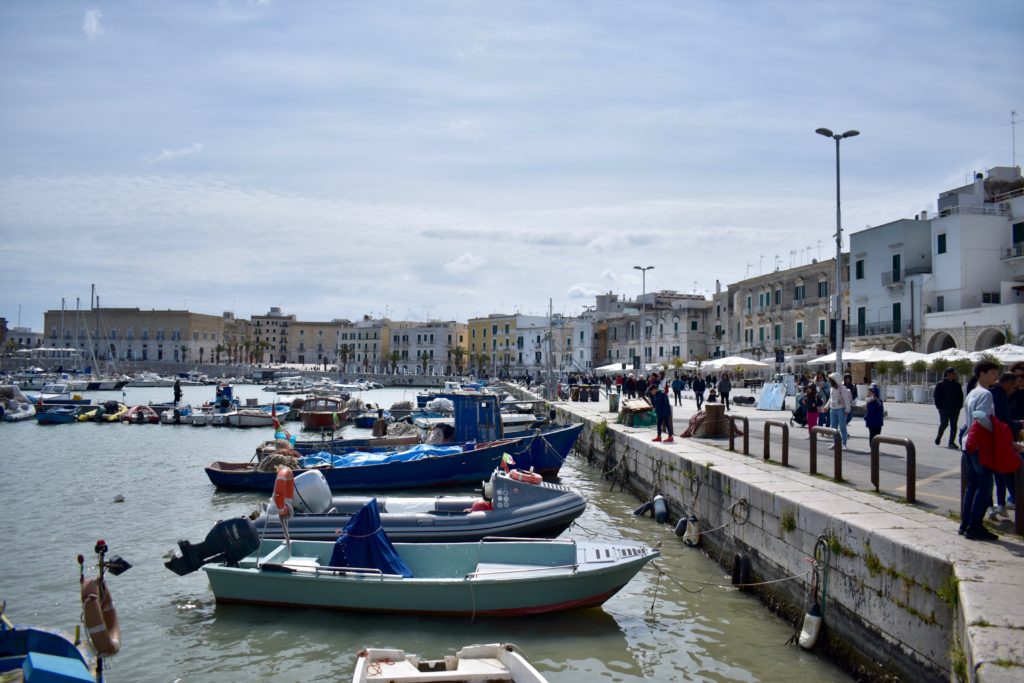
692 535
681 527
812 627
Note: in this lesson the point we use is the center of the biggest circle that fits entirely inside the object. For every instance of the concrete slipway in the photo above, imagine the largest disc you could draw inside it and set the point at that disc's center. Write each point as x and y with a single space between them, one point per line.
907 597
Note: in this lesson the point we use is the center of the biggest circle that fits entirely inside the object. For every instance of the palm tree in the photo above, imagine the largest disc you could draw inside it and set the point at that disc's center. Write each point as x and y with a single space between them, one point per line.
423 361
459 354
394 358
343 353
184 353
217 350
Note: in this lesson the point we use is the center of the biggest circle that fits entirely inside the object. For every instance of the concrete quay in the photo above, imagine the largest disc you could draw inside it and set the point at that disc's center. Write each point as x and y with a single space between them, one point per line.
907 598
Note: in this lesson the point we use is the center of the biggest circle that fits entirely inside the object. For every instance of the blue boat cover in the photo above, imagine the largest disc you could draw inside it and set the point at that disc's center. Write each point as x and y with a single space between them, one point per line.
364 544
362 459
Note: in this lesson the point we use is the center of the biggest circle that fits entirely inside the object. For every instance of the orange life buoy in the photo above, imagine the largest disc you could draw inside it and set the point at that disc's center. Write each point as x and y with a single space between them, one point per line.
100 617
526 477
284 491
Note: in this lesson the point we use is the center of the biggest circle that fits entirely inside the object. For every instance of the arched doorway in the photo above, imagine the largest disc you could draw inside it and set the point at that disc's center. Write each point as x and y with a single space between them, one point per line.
901 346
988 338
940 341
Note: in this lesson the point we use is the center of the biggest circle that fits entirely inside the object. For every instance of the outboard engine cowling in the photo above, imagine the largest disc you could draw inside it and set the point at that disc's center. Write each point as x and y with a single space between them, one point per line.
228 541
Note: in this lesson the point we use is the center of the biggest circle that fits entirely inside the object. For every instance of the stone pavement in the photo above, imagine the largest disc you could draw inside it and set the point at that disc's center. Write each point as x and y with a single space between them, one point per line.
990 576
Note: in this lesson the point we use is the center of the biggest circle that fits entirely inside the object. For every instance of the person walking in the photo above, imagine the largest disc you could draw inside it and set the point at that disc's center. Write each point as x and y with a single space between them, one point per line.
948 397
677 391
838 406
978 491
724 387
1003 392
699 386
811 404
663 411
874 412
848 383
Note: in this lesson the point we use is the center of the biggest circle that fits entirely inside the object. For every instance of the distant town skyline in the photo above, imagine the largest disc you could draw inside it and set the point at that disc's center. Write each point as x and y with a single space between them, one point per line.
438 160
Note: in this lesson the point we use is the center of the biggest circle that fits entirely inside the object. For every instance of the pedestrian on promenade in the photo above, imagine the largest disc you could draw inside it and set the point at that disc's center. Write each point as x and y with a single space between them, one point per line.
698 390
1002 393
677 391
978 492
724 387
949 399
811 403
629 386
848 383
663 411
821 384
874 412
838 405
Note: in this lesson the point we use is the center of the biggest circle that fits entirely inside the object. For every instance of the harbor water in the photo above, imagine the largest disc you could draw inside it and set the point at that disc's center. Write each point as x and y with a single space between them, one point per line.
59 484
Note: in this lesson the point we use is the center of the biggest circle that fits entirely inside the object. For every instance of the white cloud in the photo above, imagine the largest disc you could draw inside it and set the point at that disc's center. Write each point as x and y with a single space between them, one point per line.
583 291
464 263
168 154
92 26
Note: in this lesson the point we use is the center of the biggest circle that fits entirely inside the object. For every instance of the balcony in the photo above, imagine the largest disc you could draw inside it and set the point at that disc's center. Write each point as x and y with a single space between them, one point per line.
880 328
892 278
1016 251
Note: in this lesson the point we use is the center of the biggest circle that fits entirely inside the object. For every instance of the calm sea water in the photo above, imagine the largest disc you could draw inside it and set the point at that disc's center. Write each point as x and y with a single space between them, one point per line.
58 485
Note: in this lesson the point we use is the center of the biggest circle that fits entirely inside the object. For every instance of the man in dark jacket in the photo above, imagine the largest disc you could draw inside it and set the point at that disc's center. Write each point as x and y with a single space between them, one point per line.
949 399
698 390
724 388
663 411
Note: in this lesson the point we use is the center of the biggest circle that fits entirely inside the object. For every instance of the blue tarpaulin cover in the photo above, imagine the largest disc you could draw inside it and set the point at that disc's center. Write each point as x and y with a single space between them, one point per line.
362 459
364 544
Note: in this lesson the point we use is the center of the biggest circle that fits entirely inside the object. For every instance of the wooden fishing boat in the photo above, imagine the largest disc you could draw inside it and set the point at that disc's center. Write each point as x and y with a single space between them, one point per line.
323 412
38 654
513 504
250 417
498 662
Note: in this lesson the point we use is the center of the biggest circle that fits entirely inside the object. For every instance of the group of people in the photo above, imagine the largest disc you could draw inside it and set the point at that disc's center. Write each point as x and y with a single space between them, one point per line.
834 398
994 403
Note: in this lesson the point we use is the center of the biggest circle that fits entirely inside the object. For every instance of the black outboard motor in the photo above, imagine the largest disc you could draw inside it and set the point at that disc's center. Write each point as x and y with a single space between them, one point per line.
228 541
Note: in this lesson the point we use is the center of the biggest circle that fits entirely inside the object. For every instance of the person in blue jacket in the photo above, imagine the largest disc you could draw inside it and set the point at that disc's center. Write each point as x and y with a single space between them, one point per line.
874 412
663 411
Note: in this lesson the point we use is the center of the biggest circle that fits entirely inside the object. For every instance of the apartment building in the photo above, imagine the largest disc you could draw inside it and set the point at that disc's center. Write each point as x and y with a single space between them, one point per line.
661 328
433 348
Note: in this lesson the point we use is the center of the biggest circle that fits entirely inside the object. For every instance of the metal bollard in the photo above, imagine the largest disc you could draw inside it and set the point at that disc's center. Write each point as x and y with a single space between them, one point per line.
768 424
911 462
837 449
746 433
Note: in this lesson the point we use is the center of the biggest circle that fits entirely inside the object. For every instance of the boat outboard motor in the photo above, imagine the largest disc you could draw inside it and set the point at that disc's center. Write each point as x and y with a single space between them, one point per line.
228 541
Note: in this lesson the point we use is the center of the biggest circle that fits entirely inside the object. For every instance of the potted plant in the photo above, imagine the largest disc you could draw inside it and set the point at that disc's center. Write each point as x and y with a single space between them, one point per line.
896 368
919 367
881 373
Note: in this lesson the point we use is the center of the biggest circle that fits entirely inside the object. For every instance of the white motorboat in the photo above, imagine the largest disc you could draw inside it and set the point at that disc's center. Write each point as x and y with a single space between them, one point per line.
494 662
151 379
16 405
249 417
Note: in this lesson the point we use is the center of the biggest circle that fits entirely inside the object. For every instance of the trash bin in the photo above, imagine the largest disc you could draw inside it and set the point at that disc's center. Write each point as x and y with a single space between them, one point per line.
574 393
595 393
584 393
613 403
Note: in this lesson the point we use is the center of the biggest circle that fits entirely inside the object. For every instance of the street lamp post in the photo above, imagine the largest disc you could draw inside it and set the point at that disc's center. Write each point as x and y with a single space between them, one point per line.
839 250
643 310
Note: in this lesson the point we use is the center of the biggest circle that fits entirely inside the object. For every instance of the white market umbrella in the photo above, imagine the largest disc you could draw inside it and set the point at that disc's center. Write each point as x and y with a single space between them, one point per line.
829 359
952 353
733 362
1005 353
909 357
872 355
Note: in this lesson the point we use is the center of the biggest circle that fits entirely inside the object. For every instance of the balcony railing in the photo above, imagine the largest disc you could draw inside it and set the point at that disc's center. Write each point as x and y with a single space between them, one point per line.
879 328
892 278
1016 251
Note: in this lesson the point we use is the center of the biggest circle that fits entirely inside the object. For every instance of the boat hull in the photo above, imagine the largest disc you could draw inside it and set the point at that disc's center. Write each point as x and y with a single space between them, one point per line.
466 467
500 579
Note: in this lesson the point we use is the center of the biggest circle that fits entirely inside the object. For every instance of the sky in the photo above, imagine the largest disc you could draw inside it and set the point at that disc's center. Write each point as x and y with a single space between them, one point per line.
447 159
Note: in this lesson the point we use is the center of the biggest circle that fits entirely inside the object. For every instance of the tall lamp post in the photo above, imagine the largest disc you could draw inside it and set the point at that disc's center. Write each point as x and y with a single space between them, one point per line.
643 310
839 250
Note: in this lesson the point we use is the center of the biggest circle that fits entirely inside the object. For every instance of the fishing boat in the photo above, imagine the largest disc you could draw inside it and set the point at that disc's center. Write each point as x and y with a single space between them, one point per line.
60 393
475 418
249 417
513 504
418 466
498 662
176 415
151 379
57 415
140 414
363 571
30 653
323 412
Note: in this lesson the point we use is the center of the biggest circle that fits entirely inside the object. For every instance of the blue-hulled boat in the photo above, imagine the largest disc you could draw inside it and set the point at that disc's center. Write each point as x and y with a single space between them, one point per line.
57 415
476 418
379 470
40 655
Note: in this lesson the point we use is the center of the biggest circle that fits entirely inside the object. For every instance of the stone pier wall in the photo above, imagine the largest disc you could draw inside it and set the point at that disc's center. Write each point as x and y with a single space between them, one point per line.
897 583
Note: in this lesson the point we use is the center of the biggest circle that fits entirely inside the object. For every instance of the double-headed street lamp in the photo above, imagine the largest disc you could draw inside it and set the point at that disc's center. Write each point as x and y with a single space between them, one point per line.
643 307
838 308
